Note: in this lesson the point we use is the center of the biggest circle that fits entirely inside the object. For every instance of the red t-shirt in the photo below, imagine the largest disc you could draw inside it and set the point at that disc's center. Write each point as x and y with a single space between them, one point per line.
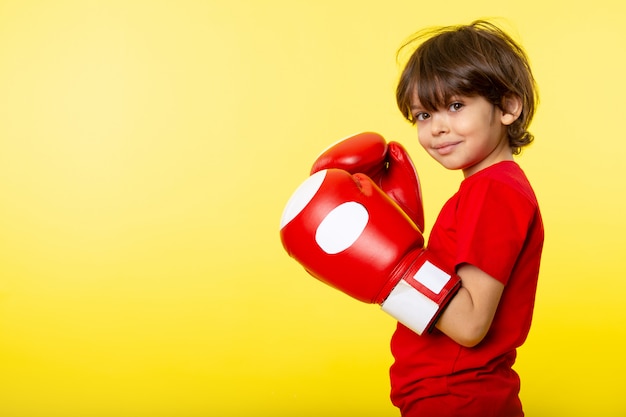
493 222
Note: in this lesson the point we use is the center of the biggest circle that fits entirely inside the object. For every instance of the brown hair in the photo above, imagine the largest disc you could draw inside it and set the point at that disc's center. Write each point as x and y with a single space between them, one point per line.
478 59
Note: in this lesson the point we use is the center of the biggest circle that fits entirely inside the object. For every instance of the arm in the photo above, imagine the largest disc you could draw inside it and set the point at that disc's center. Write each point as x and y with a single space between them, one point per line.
349 234
468 317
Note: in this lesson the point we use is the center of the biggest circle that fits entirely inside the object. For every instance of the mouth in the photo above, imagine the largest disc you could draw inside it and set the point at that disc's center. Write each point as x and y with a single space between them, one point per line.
445 148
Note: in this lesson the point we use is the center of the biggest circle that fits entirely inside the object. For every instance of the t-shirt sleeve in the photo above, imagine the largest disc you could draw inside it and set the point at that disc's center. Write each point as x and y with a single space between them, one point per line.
493 219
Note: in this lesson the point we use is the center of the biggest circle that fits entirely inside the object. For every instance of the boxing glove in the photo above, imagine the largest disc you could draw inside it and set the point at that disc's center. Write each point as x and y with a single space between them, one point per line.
346 232
388 164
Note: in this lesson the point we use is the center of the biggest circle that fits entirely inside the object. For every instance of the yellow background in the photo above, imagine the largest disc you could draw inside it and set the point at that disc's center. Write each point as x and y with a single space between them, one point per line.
147 149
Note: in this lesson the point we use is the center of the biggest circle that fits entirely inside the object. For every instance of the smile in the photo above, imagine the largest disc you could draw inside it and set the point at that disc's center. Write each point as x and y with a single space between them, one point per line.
445 148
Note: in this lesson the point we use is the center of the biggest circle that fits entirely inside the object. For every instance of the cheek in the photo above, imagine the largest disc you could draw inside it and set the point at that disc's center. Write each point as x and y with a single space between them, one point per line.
465 126
421 138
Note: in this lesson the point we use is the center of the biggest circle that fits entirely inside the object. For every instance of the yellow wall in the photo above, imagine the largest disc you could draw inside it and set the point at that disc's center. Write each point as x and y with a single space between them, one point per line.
147 149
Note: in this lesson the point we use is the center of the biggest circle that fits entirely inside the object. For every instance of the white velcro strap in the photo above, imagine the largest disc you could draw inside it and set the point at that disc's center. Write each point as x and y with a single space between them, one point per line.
410 307
432 277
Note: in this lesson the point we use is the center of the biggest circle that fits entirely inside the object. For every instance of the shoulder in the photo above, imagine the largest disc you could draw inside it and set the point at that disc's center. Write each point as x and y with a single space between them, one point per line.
497 208
501 183
498 200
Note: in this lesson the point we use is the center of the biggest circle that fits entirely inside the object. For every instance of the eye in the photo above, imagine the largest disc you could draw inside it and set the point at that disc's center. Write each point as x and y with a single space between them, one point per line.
456 106
421 116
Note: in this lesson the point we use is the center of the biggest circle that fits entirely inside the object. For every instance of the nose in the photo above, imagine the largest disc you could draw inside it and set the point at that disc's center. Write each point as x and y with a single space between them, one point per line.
438 124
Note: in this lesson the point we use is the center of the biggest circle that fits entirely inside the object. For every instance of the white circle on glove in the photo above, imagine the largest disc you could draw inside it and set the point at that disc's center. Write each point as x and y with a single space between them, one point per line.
301 197
341 227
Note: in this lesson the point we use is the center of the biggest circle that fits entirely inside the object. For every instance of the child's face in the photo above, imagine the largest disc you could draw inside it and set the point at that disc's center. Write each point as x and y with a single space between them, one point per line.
470 134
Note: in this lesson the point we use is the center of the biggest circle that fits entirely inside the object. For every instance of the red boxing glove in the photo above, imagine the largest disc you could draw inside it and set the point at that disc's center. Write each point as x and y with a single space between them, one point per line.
389 165
346 232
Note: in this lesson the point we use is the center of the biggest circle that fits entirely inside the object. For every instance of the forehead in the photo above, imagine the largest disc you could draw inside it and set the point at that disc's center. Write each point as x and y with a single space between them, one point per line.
431 91
429 97
414 100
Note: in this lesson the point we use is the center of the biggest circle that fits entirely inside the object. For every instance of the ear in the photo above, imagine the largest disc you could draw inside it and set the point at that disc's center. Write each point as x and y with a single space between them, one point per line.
511 109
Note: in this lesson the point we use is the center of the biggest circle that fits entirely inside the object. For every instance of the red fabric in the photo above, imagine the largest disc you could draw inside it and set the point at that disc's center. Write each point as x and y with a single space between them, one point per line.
493 222
486 393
